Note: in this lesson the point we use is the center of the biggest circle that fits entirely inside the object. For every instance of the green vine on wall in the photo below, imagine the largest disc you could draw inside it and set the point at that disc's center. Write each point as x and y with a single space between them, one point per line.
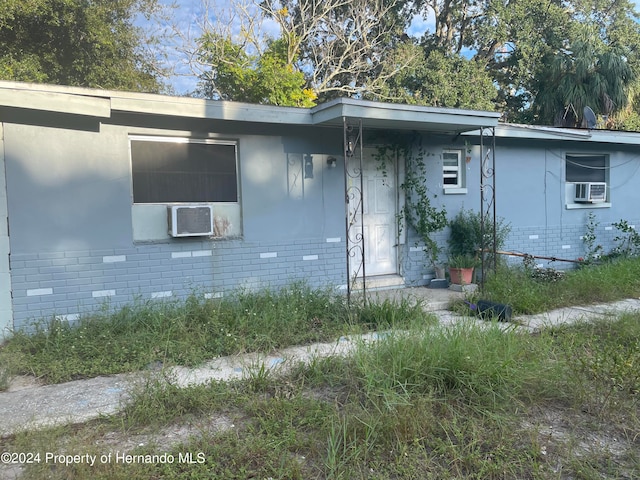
417 212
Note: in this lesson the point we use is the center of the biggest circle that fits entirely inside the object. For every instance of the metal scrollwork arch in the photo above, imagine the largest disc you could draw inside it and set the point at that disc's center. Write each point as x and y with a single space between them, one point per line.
354 205
488 257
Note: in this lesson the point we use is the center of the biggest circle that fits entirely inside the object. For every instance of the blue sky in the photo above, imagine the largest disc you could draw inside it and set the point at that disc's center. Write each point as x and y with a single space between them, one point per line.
188 16
189 13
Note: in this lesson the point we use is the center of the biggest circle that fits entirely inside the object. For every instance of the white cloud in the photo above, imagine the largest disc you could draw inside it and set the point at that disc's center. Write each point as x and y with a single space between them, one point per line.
419 25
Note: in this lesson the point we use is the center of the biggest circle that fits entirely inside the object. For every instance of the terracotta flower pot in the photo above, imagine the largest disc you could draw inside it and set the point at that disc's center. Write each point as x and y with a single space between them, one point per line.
461 276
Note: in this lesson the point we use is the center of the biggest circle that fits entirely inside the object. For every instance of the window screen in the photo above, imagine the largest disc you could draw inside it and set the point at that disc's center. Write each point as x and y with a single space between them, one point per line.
586 168
176 172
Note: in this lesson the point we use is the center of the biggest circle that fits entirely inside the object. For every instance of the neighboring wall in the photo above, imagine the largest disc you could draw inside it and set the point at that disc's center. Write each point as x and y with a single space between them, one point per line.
70 204
534 196
6 312
531 195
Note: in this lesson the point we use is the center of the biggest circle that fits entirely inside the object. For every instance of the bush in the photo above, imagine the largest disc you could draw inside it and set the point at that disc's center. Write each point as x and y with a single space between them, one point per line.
465 237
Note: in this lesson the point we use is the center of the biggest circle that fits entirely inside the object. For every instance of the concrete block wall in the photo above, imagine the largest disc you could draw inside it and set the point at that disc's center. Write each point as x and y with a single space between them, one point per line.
564 241
415 262
560 241
70 284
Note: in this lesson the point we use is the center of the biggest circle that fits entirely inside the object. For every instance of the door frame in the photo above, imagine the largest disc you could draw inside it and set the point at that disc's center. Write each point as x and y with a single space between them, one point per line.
369 152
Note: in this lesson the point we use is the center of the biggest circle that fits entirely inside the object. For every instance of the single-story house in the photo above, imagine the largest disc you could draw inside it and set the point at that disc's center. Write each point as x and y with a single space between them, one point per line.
112 196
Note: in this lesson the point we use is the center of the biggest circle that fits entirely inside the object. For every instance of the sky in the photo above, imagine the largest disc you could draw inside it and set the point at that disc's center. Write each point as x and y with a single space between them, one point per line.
186 23
189 14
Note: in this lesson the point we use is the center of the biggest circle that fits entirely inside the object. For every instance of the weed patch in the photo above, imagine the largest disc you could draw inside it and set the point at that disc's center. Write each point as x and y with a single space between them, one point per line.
604 359
485 365
598 283
472 402
152 334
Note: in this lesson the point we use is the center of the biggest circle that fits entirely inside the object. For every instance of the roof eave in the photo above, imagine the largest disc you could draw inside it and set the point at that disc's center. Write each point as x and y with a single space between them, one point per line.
539 132
402 116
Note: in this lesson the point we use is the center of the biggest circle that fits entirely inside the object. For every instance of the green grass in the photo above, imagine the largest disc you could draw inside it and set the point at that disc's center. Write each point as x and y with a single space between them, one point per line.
598 283
149 334
472 401
481 364
606 365
187 333
469 401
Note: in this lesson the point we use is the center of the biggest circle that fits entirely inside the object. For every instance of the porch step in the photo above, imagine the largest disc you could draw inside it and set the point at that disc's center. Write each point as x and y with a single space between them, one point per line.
380 282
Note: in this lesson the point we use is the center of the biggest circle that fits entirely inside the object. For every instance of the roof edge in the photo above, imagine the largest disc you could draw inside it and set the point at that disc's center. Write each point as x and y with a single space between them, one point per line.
541 132
404 107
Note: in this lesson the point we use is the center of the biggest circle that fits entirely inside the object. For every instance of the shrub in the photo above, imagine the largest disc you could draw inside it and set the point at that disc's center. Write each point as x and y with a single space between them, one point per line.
466 238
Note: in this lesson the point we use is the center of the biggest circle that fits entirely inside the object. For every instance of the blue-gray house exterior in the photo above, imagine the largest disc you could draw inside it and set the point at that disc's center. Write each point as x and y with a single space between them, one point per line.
81 231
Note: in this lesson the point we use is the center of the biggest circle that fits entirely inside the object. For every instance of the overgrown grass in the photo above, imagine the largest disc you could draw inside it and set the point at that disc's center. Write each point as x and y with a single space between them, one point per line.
190 332
480 364
604 360
598 283
470 401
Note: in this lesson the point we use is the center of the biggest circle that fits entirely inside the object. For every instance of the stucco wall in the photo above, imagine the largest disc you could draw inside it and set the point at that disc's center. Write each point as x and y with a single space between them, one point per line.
531 197
6 311
70 205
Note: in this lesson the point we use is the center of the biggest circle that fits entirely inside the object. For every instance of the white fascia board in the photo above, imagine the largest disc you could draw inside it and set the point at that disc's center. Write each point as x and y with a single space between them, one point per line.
211 109
32 99
408 115
539 132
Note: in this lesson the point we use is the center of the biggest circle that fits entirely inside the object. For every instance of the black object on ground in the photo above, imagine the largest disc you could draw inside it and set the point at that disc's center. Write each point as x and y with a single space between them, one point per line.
439 283
489 310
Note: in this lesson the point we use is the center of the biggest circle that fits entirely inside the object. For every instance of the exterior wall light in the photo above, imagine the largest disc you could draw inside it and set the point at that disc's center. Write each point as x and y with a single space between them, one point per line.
331 162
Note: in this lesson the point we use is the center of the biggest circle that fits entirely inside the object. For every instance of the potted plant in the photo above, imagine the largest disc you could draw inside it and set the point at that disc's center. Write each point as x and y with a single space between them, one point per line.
461 269
466 237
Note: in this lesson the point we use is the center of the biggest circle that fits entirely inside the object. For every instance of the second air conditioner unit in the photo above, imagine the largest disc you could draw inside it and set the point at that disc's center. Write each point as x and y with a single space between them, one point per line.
590 192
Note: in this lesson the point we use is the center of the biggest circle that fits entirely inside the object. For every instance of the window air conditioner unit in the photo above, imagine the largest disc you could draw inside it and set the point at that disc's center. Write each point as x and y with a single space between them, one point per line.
190 220
591 192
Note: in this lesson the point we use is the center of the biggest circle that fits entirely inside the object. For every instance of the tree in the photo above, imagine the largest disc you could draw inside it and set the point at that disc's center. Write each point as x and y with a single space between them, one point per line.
440 80
265 78
555 58
587 73
534 60
323 49
346 47
91 43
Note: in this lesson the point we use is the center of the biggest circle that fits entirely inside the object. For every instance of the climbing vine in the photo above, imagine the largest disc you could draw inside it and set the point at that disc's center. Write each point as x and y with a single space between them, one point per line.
417 212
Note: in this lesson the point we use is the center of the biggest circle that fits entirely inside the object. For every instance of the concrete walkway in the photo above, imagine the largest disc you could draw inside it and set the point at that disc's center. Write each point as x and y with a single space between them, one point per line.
30 407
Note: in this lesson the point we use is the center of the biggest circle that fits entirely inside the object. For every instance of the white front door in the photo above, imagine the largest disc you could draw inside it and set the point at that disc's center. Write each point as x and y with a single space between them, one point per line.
379 217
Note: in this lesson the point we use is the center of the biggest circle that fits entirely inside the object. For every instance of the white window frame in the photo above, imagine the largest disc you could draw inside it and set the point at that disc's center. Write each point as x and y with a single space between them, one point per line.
570 186
457 172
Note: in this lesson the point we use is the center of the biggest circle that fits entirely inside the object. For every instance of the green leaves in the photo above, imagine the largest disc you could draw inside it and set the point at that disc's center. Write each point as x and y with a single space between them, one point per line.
441 80
587 73
418 211
234 74
76 42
